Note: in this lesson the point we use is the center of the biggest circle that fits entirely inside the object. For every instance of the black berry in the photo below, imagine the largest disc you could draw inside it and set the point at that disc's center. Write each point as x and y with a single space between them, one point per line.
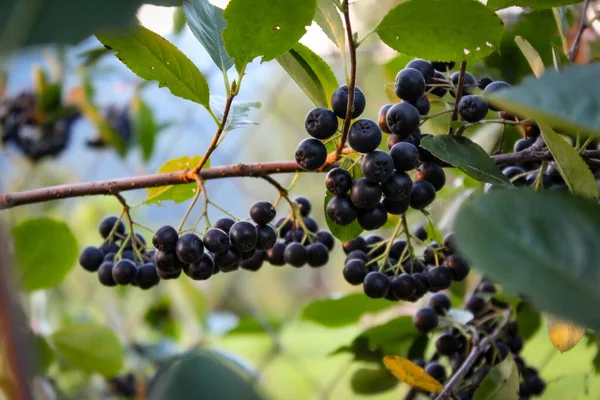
398 248
167 262
358 243
355 271
165 238
403 119
202 269
433 174
376 285
310 154
405 156
515 344
147 276
469 82
440 302
439 79
365 193
436 371
409 85
439 278
326 238
364 136
262 212
341 210
458 266
338 181
228 261
224 224
295 254
275 254
216 240
339 102
493 88
404 286
382 120
473 108
243 236
311 224
304 205
396 207
449 244
425 320
321 123
443 66
422 194
422 105
266 236
317 254
425 67
124 272
189 248
377 166
90 258
372 218
168 275
476 305
105 274
108 224
495 354
446 344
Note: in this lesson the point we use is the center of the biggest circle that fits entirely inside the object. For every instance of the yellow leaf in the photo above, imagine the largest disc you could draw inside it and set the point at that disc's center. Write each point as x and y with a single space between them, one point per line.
411 374
564 335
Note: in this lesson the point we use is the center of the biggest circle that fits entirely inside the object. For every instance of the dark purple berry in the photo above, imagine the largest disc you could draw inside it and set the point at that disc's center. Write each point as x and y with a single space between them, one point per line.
243 236
358 243
124 272
317 254
493 88
295 254
355 271
377 166
458 266
216 240
275 254
376 285
473 108
439 278
422 194
310 154
372 218
224 224
405 156
440 302
266 236
446 344
165 238
90 258
326 238
469 82
201 270
364 136
339 102
228 261
262 212
304 205
338 181
108 224
147 276
105 274
397 187
321 123
425 320
341 210
433 174
410 84
365 193
404 286
396 207
382 120
403 119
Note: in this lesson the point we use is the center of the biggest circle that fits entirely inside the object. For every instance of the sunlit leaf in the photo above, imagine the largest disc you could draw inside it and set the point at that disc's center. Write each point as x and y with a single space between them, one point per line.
411 374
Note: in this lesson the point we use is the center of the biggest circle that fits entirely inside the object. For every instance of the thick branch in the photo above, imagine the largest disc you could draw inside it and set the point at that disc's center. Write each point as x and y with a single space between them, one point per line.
539 155
582 26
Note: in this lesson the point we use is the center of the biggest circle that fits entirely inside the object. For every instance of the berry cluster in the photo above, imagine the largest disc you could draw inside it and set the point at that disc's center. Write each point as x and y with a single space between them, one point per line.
120 121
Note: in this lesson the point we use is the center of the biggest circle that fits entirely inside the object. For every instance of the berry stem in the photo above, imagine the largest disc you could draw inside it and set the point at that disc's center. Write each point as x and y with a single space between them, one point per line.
404 223
582 25
192 203
539 179
459 92
390 241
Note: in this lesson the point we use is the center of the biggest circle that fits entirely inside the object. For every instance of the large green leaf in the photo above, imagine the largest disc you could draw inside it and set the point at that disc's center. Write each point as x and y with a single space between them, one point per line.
344 310
144 126
541 244
529 320
176 193
311 73
266 28
46 250
207 24
345 232
91 348
25 23
565 99
329 19
466 155
501 383
470 29
498 4
372 380
202 374
154 58
571 166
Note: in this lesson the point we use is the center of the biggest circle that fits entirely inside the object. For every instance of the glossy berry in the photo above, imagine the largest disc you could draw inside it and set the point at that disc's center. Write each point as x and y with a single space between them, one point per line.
365 193
304 205
433 174
458 266
449 244
422 105
404 286
377 166
189 248
425 320
266 237
310 154
436 371
398 248
403 119
364 136
124 272
357 255
424 67
382 120
358 243
317 254
228 261
376 285
440 302
295 254
311 224
473 108
339 102
165 238
216 240
409 84
372 218
105 274
321 123
262 212
355 271
341 210
443 66
107 248
446 344
397 187
275 254
484 82
495 354
296 235
396 207
476 305
90 258
405 156
147 276
469 85
168 275
255 262
372 241
439 79
108 224
243 236
248 255
224 224
420 233
202 270
422 194
167 261
493 88
338 181
326 238
439 278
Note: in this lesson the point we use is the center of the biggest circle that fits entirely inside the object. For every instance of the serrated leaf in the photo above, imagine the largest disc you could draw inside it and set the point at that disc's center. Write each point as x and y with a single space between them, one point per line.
311 73
144 126
330 20
498 4
207 24
152 57
564 99
92 56
411 374
91 348
572 168
342 233
176 193
45 250
471 30
531 55
466 155
564 335
371 381
238 113
342 311
552 239
266 28
501 383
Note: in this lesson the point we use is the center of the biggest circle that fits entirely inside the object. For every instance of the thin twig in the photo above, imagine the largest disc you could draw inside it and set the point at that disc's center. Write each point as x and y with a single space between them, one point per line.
459 92
582 26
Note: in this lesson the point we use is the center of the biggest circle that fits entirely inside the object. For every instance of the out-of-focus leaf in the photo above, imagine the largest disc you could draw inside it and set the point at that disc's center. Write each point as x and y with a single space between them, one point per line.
411 374
342 311
564 335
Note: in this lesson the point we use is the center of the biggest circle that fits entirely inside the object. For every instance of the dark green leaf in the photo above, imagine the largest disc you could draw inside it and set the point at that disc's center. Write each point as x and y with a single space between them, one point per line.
45 250
154 58
176 193
202 374
144 126
571 166
266 28
329 19
418 347
471 30
311 73
517 237
90 347
207 24
362 351
44 353
394 337
372 380
467 156
344 310
498 4
238 112
562 99
178 20
343 233
501 383
529 320
596 360
92 56
160 316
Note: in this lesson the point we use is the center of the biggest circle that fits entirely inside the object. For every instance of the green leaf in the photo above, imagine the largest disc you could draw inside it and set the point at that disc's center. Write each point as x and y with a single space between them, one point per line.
144 126
329 19
418 347
562 99
572 168
311 73
202 374
345 232
267 28
342 311
498 4
46 250
252 326
43 351
176 193
92 56
238 112
501 383
517 237
531 55
91 348
207 24
178 20
467 156
153 58
529 320
370 380
471 30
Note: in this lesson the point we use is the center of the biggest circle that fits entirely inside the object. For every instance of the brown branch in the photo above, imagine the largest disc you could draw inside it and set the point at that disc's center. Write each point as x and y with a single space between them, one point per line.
582 26
538 155
459 92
